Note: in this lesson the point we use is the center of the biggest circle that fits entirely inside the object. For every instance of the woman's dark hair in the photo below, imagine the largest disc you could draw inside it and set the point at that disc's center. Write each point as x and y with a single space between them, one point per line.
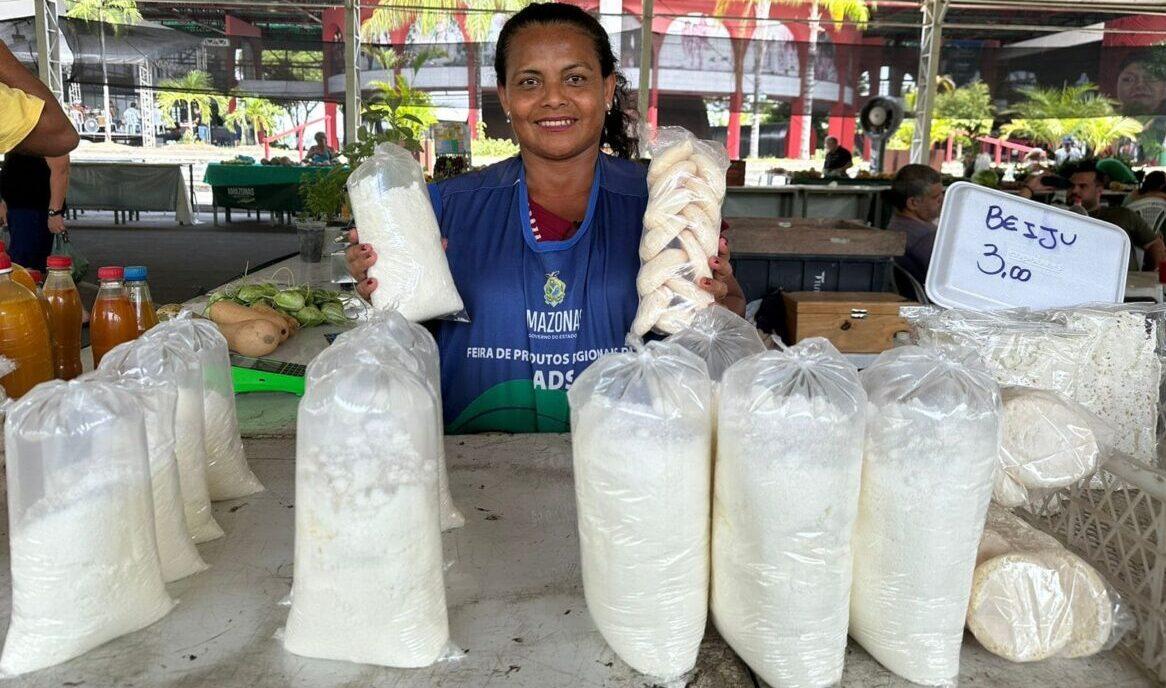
1154 181
618 125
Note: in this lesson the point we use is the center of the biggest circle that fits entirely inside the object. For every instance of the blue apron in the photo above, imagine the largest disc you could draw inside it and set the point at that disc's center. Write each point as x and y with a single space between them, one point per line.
540 312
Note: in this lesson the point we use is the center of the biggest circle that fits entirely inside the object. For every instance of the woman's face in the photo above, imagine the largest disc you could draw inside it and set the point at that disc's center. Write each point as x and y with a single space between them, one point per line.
1140 92
555 95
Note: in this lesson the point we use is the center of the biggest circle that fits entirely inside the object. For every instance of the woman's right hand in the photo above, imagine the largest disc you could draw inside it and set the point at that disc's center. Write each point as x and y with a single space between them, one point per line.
359 258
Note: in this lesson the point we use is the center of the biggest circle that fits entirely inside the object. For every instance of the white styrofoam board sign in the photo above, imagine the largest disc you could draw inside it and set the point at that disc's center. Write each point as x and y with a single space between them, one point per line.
995 250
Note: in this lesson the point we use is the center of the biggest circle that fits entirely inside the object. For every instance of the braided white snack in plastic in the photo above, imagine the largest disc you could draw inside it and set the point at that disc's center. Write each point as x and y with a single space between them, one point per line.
682 230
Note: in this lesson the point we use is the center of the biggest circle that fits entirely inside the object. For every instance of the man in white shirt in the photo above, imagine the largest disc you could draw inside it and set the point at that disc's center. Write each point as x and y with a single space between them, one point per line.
132 119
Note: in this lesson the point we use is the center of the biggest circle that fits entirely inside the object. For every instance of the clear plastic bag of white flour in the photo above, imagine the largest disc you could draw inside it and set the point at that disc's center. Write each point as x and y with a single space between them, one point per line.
84 561
932 436
396 339
164 359
720 337
6 367
1106 357
368 584
786 482
390 202
227 474
1033 599
682 229
1048 441
158 398
641 438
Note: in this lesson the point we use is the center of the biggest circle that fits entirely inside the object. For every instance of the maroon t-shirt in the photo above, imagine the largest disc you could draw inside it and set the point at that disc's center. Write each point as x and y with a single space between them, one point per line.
546 226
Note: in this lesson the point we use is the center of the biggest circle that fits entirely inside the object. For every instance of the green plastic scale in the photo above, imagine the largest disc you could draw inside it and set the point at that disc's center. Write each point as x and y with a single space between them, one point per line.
266 375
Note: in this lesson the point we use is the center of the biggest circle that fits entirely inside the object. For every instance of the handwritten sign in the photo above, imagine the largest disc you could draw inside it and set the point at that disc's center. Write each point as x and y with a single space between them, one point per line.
994 250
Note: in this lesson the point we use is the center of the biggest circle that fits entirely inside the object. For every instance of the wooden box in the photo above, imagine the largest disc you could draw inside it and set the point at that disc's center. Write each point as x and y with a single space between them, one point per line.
855 322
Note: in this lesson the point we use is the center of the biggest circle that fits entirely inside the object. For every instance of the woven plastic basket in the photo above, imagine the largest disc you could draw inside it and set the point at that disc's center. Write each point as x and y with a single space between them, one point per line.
1117 522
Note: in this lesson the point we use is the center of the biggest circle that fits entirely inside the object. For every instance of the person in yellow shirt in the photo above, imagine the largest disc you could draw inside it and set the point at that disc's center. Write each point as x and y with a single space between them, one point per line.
31 119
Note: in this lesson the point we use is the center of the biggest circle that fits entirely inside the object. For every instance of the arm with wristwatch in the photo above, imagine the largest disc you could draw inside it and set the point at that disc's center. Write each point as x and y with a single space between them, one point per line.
58 187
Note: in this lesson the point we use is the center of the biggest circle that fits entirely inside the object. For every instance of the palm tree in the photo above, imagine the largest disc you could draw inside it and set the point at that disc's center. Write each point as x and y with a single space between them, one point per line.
115 12
192 89
254 114
1048 115
840 11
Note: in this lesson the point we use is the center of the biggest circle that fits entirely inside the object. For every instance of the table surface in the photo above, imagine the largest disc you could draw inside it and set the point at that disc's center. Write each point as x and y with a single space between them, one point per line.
514 592
218 174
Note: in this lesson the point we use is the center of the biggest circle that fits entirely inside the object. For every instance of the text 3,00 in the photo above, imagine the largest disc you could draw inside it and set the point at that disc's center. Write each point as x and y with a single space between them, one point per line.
1000 267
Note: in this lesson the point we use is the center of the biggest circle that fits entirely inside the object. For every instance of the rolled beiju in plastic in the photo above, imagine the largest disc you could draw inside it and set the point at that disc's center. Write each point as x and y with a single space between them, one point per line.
789 456
720 337
642 454
1032 599
401 342
390 202
682 229
162 359
84 561
368 582
159 401
932 435
227 473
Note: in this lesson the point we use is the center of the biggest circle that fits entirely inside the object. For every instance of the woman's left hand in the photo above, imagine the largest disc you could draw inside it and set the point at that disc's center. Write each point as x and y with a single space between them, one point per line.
723 286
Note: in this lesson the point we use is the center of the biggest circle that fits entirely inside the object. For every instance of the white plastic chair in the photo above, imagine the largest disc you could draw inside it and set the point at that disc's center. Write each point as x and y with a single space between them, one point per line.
1152 211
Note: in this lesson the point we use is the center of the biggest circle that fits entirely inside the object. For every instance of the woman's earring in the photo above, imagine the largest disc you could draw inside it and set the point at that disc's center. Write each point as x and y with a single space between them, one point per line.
508 118
609 107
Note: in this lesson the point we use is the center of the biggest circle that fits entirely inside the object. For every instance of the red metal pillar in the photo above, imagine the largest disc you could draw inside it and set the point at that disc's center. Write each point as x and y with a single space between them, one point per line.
737 99
654 89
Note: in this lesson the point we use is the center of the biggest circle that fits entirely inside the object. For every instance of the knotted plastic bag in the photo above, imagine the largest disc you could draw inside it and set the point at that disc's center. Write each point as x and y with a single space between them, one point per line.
227 473
643 468
410 344
390 201
682 229
84 560
166 360
1033 599
720 337
932 434
368 582
789 456
158 398
6 367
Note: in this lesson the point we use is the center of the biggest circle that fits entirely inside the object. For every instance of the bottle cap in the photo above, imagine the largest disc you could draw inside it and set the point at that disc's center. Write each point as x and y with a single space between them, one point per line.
135 273
110 272
36 276
59 262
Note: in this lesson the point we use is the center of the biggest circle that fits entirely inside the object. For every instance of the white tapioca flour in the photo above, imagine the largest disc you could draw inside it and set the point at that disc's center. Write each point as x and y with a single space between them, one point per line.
642 450
785 500
390 203
932 435
369 585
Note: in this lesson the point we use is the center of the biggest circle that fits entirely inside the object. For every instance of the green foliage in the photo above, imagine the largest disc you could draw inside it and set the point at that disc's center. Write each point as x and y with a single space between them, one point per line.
293 65
195 88
430 14
1048 115
962 113
254 115
486 147
987 178
107 11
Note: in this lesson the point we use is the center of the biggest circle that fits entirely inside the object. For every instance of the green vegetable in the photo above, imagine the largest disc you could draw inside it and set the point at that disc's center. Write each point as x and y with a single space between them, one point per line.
251 293
291 300
334 312
309 316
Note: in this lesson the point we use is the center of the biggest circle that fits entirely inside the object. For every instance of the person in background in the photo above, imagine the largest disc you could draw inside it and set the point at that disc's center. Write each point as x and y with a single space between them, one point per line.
133 120
31 119
1087 184
917 195
838 159
32 198
1068 152
1153 186
320 154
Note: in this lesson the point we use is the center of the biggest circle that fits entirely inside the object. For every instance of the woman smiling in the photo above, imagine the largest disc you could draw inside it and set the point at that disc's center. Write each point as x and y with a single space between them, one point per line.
544 246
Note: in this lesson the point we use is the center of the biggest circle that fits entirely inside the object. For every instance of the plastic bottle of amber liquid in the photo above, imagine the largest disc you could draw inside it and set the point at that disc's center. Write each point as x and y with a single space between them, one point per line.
144 313
64 305
19 274
24 336
112 321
